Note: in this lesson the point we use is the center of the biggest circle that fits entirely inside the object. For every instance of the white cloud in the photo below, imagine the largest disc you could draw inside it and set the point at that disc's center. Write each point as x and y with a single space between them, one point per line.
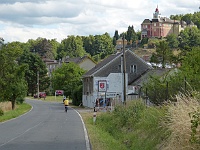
21 20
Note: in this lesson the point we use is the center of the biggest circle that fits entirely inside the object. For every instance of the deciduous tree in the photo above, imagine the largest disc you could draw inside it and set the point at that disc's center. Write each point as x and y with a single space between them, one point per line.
35 65
172 39
163 53
188 38
88 44
67 77
12 82
73 46
190 67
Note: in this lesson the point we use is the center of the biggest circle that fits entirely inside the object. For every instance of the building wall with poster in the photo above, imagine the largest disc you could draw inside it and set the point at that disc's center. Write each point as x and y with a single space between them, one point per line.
114 84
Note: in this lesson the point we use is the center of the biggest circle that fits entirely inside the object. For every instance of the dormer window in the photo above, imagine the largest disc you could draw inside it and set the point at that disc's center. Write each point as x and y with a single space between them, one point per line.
133 69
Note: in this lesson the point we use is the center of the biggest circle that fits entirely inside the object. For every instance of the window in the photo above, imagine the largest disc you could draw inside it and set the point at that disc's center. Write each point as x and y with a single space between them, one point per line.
133 69
154 24
144 26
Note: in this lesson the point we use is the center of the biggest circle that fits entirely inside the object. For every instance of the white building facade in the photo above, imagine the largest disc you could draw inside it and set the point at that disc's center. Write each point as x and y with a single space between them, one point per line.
113 87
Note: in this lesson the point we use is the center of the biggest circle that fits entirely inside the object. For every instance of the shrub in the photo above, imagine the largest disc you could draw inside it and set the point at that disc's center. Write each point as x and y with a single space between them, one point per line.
19 100
130 112
77 96
134 125
1 112
153 42
195 135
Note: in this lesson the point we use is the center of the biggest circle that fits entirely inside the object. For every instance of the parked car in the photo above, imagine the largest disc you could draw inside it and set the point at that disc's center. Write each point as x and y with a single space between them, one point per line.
59 92
41 95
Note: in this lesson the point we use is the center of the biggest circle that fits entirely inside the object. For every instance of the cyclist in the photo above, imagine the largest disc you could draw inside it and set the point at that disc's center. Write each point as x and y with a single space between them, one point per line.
66 103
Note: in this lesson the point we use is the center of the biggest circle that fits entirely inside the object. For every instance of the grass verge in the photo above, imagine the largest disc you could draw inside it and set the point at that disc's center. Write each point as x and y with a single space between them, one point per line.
20 109
99 138
133 126
50 99
137 127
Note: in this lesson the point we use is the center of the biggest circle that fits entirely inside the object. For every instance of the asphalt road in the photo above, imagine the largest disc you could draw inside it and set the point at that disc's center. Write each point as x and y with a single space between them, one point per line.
46 127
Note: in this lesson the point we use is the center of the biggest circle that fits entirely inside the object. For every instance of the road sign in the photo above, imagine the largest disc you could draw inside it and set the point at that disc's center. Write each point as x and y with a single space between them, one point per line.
111 95
102 86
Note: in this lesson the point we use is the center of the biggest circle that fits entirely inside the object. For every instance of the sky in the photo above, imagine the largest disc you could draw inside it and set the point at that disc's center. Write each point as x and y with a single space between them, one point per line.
21 20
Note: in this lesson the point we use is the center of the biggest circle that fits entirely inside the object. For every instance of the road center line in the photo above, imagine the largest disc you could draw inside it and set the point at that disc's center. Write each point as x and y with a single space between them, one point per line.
20 134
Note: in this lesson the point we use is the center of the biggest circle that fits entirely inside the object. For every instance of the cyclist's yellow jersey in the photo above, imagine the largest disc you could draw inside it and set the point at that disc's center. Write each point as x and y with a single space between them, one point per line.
66 102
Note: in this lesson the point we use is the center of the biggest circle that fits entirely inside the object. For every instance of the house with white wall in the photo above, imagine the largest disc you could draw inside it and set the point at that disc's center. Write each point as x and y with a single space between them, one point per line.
105 80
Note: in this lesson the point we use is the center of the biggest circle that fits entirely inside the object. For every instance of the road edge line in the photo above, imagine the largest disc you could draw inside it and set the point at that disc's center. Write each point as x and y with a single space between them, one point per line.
85 131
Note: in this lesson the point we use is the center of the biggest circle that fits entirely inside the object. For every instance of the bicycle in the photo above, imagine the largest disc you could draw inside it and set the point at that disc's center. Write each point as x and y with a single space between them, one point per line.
66 108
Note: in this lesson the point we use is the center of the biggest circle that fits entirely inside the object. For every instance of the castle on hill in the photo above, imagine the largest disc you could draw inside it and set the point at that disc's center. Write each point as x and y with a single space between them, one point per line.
159 27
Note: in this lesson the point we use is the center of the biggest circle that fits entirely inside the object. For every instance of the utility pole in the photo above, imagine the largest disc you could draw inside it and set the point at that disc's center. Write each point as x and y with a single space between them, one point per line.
38 84
124 71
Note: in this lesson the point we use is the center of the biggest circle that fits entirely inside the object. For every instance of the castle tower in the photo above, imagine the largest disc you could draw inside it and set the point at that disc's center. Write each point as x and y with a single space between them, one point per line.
156 15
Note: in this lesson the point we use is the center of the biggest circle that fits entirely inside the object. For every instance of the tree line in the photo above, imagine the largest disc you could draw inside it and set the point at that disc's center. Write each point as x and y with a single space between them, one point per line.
97 47
195 18
21 63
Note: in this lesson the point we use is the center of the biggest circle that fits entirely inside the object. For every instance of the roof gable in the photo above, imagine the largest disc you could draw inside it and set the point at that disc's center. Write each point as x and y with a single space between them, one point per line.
106 66
102 64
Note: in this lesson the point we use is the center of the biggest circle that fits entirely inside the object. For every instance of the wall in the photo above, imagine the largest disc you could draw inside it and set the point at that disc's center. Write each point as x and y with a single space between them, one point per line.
87 64
114 85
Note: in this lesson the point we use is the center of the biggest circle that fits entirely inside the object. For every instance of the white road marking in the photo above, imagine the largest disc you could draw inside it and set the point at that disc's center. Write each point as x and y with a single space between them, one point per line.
85 132
20 135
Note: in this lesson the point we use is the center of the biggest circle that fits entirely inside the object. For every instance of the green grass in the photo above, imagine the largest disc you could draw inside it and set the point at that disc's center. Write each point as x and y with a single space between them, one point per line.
99 138
20 109
133 126
50 98
137 127
54 98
